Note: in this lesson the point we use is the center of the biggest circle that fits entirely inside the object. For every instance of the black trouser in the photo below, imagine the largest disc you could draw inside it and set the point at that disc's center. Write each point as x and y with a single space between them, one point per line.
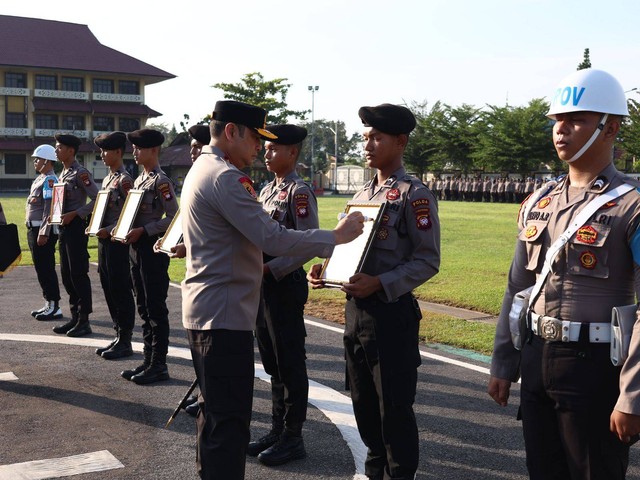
280 336
381 347
223 361
568 392
115 278
151 284
74 266
44 261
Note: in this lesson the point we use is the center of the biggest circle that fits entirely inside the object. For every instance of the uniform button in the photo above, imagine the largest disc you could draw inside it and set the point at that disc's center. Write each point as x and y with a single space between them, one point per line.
565 338
565 328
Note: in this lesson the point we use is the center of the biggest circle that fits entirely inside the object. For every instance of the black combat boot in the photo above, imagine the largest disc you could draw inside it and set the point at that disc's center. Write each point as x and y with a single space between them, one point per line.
81 328
260 445
122 347
51 312
157 371
65 327
128 374
101 350
290 446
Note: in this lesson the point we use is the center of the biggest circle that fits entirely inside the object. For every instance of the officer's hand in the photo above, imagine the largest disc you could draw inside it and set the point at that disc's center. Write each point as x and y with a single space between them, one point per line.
103 233
42 240
134 235
362 285
156 246
313 276
179 251
499 390
624 425
67 218
349 228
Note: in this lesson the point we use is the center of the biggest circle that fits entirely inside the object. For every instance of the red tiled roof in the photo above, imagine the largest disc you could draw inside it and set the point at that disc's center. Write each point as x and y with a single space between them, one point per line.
176 156
60 105
38 43
124 108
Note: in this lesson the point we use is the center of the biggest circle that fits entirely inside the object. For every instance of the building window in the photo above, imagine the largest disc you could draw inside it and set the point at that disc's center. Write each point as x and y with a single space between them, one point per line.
129 87
15 80
15 163
101 85
104 124
72 122
129 124
47 82
16 120
72 84
47 122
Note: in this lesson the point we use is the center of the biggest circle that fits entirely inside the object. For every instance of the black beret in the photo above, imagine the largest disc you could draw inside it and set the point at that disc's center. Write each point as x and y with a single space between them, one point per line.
242 114
288 134
68 140
391 119
146 138
111 141
201 133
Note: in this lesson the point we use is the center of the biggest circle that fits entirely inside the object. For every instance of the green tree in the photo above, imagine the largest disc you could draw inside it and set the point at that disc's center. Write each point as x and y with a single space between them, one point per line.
325 145
586 61
268 94
628 142
425 151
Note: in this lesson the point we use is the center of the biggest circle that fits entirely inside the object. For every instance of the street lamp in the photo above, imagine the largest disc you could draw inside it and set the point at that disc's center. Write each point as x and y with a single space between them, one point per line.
335 168
313 89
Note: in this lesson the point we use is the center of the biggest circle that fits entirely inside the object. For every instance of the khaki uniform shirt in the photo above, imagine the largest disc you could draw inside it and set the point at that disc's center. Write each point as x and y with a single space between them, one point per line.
118 185
406 249
79 185
293 205
596 271
39 201
225 232
158 199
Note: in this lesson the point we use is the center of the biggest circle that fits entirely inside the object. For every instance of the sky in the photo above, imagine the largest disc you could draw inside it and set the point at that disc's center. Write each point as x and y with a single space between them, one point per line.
490 52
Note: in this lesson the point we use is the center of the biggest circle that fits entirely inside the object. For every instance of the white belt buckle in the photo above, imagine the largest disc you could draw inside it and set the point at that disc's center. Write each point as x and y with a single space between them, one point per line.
550 328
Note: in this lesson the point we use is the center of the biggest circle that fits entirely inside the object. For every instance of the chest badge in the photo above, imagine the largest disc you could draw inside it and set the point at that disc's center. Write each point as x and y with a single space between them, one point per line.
531 231
282 195
587 235
393 194
383 234
544 202
588 260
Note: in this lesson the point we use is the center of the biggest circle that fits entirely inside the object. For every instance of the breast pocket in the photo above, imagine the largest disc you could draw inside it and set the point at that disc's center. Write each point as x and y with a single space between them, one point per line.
532 236
386 237
148 199
588 253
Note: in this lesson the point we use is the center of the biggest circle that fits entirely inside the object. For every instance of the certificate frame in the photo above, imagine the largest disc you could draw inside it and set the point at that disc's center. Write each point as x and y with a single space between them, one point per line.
348 259
173 235
57 204
128 214
99 209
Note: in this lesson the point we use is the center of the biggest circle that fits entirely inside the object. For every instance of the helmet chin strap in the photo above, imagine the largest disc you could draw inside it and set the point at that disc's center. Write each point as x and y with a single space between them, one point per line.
586 146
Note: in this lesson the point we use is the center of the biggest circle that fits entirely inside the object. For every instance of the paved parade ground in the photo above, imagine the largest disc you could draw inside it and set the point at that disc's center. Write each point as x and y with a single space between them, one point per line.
67 412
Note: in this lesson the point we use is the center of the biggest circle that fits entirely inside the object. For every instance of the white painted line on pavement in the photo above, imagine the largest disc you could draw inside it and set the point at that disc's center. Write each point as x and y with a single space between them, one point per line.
7 376
60 467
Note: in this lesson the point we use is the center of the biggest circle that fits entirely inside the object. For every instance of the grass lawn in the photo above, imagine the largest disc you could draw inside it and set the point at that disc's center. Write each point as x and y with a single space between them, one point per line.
477 245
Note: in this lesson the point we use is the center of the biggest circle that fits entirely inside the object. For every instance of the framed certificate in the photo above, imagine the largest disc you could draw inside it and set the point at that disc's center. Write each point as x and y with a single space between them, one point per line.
128 214
99 209
173 235
57 204
348 259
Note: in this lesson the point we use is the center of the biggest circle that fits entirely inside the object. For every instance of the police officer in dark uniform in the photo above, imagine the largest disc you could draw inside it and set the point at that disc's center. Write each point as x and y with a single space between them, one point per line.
41 235
382 315
74 257
200 136
113 257
148 268
280 327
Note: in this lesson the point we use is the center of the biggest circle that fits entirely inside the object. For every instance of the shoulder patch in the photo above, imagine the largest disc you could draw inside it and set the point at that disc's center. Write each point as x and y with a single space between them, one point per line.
126 184
85 178
165 190
422 214
302 204
248 186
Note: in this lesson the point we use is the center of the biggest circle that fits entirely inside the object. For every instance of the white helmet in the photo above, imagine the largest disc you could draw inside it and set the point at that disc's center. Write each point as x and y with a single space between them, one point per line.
589 90
45 151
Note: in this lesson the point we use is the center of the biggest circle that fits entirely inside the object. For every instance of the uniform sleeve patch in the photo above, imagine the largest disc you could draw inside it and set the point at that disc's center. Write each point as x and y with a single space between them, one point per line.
422 214
85 178
165 190
302 204
50 182
248 186
126 184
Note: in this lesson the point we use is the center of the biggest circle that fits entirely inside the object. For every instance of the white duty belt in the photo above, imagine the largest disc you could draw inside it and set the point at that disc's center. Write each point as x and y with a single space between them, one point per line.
556 330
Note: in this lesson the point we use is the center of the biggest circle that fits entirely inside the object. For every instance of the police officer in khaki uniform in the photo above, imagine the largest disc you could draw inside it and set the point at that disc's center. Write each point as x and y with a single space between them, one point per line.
149 270
113 257
226 232
280 330
572 397
382 315
74 257
42 236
